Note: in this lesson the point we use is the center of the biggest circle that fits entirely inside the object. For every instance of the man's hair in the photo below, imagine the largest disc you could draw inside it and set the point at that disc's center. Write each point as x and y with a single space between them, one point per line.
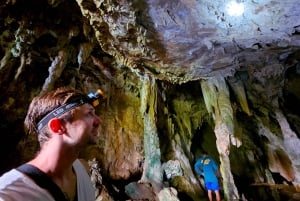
41 105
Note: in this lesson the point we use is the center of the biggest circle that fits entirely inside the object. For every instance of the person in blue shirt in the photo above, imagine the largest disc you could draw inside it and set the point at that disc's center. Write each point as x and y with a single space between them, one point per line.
207 167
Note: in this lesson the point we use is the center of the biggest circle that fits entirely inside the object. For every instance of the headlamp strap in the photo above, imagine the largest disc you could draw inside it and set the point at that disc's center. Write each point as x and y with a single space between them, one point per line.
58 112
91 98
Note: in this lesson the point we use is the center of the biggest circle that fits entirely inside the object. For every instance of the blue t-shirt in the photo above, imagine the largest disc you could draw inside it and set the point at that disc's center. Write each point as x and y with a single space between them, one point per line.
207 166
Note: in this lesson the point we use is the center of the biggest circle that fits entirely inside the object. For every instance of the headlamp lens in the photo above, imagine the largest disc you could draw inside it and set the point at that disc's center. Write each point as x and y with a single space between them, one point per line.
93 97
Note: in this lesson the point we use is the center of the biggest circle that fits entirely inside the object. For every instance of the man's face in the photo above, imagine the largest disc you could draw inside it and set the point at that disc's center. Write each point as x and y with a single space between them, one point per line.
84 128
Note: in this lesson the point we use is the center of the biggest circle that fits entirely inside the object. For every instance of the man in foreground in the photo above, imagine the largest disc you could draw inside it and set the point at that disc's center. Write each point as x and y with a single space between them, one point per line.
64 121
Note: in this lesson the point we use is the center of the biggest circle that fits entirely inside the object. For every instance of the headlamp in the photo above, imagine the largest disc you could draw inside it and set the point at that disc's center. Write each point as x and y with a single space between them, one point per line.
92 98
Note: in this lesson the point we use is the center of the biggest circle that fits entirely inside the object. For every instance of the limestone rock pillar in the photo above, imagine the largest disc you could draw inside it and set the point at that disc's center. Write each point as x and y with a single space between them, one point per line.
152 172
217 101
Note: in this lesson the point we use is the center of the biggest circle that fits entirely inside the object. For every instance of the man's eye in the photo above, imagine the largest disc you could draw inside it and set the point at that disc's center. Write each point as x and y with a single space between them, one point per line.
92 113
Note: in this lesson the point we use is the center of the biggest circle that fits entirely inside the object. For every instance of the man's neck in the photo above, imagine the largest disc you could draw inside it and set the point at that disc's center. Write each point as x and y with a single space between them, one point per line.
55 159
58 165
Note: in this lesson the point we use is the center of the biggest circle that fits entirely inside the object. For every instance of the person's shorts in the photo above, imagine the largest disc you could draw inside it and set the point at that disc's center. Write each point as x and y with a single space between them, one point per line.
213 186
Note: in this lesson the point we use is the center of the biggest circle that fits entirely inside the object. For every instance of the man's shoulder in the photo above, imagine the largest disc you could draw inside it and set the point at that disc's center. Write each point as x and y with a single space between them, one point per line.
10 177
199 160
14 184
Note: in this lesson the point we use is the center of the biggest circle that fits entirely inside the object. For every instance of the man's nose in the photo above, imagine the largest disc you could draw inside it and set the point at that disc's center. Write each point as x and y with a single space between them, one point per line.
97 120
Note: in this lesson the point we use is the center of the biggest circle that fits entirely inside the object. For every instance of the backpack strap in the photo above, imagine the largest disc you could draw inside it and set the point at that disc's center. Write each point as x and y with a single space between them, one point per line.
43 181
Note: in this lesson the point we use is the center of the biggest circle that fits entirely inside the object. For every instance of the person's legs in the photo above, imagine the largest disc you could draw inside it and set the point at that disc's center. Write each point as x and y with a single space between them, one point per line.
209 195
213 187
218 197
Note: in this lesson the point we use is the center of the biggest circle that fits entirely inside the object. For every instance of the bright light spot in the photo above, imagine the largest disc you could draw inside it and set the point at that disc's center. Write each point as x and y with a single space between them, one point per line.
235 9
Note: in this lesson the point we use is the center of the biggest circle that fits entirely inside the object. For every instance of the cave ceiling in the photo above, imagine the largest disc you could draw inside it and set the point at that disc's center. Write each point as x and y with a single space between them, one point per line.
182 40
173 40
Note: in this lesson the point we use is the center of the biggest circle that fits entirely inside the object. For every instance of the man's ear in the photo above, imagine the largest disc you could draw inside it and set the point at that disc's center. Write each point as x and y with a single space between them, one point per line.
55 125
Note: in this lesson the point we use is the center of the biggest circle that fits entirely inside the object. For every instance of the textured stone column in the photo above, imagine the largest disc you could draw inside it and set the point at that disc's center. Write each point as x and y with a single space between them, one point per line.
223 144
152 166
217 101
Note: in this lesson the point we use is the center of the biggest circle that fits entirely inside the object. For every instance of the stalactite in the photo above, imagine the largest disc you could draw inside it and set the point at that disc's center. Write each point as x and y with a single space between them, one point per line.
55 70
239 91
217 101
209 97
105 70
152 171
84 53
5 58
21 67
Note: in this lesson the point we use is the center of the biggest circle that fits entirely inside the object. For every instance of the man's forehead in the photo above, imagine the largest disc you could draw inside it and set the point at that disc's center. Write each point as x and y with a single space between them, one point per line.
87 107
83 110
